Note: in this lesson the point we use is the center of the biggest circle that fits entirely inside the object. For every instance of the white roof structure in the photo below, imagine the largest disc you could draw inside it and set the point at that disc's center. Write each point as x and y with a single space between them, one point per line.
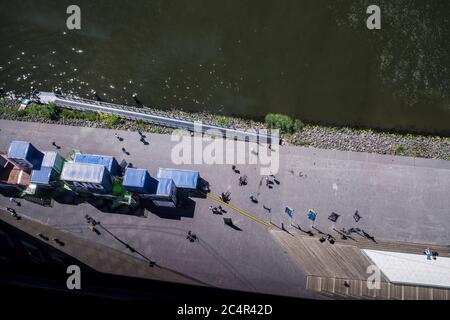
50 158
83 172
413 269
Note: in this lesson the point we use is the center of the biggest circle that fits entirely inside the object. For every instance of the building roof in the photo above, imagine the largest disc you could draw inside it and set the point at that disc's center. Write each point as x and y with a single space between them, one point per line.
165 187
51 158
187 179
83 172
140 181
413 269
135 177
42 176
108 161
25 150
15 176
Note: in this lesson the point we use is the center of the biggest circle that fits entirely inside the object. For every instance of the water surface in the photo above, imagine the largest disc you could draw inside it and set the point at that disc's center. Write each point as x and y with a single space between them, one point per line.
311 59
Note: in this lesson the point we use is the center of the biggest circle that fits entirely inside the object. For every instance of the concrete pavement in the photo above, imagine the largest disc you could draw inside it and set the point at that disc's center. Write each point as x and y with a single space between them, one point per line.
399 198
248 260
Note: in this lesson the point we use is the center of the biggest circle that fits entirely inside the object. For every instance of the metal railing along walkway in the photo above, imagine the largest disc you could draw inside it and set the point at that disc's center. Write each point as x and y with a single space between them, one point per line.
143 114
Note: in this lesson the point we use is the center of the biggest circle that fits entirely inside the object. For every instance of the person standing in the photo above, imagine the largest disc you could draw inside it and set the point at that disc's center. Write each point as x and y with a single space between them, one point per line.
427 252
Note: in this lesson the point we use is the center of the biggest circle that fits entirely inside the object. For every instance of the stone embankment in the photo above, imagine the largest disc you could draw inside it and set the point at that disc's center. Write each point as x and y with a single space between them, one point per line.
346 139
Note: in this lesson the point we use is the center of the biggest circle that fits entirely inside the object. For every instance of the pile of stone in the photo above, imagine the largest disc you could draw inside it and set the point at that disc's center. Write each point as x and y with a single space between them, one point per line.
347 139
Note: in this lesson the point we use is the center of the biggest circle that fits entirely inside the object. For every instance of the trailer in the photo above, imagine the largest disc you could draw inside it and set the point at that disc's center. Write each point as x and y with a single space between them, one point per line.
162 192
13 180
188 182
87 178
48 175
24 155
97 179
166 194
109 162
139 181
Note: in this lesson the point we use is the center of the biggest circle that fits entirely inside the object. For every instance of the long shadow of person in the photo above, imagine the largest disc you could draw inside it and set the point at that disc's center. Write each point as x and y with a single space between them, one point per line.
231 224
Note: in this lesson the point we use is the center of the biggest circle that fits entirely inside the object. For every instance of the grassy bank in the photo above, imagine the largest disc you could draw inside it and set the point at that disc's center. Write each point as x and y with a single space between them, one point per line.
51 112
293 131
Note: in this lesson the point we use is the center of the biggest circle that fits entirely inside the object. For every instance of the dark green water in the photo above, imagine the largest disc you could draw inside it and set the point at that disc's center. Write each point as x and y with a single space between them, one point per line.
311 59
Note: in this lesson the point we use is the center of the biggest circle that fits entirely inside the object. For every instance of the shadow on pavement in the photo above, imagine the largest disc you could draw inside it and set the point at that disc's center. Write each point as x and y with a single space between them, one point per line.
185 210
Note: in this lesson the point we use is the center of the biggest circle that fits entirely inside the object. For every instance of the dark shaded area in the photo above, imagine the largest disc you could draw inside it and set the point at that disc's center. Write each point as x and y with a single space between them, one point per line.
185 209
185 206
229 222
31 268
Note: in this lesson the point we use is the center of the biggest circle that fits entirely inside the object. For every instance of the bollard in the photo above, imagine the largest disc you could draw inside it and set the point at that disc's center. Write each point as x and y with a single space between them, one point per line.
136 100
96 96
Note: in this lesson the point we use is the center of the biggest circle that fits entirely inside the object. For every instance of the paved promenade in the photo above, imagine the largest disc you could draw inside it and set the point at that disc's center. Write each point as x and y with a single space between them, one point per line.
398 198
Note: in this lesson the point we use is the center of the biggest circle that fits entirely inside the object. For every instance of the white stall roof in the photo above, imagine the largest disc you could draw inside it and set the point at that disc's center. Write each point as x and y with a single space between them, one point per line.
83 172
412 269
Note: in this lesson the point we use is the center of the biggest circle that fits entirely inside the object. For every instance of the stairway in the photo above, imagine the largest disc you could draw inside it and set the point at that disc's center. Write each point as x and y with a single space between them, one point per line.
357 289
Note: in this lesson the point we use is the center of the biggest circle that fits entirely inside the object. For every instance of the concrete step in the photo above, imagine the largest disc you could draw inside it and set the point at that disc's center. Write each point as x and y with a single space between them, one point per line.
357 289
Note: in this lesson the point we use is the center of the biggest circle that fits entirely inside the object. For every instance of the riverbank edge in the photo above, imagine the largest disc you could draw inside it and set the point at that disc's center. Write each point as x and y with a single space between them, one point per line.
317 136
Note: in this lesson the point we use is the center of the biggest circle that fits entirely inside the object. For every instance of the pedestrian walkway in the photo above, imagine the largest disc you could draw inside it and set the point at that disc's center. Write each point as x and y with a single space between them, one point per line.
324 259
248 215
340 270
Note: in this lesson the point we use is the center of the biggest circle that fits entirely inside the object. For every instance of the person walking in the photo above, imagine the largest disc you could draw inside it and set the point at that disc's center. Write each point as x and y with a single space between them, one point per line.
118 137
191 236
226 196
434 254
43 237
243 180
12 212
427 252
55 145
125 151
59 242
12 200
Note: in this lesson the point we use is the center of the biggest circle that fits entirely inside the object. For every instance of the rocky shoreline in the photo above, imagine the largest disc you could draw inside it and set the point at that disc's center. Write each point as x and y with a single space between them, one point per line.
345 139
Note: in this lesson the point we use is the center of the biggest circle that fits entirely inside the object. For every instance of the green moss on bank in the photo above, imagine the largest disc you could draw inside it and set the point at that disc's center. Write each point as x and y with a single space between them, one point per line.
283 122
292 131
52 112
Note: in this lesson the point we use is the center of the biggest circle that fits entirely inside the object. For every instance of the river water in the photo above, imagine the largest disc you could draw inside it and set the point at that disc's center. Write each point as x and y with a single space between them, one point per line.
311 59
